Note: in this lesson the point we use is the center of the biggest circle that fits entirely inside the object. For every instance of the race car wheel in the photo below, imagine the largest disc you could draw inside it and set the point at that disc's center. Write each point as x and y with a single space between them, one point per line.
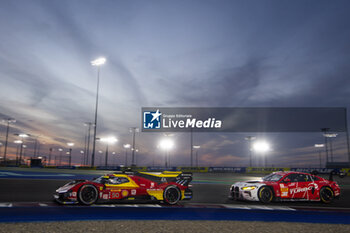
88 194
172 195
326 195
265 194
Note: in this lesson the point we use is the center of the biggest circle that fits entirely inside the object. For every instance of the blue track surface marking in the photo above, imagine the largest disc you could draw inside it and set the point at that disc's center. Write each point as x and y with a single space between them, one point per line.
29 214
42 175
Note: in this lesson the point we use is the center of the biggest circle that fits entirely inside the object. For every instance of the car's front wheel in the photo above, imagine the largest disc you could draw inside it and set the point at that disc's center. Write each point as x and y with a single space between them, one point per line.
265 194
172 195
88 194
326 195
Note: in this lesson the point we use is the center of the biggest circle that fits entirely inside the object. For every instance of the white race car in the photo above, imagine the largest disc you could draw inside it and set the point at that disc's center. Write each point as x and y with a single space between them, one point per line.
289 185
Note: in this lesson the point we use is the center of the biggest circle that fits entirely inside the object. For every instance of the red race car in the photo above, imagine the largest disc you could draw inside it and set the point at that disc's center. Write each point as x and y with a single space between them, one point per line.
169 187
287 185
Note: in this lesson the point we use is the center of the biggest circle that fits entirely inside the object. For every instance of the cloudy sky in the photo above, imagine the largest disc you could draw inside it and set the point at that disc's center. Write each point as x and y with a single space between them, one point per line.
171 54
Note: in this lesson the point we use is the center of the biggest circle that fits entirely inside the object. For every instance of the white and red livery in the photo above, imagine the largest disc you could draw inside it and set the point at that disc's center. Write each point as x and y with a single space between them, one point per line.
287 185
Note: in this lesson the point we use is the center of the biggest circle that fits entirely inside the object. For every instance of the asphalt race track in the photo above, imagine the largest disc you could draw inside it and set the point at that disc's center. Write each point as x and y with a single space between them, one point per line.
208 188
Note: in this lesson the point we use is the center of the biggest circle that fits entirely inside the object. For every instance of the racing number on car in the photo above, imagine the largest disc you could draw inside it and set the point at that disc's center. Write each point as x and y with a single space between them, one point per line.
114 195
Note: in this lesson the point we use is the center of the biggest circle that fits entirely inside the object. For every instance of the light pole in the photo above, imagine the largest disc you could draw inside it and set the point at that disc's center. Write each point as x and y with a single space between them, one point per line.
19 142
9 121
126 147
319 152
24 151
60 159
325 130
133 130
114 154
70 144
36 145
40 147
22 136
197 148
166 144
262 147
98 62
108 141
100 152
330 136
87 154
250 139
50 152
82 157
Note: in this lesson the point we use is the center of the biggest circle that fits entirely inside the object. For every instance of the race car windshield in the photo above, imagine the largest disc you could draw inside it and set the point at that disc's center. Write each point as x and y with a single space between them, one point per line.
272 177
98 179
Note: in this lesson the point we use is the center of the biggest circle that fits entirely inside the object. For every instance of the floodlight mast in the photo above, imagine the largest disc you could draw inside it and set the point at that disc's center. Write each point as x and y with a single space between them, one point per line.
126 147
166 144
197 148
108 141
23 136
250 139
9 121
133 130
70 144
319 152
262 147
98 62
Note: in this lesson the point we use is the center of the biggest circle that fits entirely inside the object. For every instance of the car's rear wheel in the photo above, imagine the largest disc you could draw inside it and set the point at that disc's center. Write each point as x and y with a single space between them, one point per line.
172 195
88 194
326 195
265 194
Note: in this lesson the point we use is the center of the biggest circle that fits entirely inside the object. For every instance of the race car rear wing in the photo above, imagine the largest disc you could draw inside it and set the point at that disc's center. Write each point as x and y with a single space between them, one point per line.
184 178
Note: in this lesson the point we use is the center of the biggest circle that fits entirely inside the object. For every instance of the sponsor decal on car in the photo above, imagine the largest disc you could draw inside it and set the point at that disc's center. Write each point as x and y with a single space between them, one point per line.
284 192
125 193
298 190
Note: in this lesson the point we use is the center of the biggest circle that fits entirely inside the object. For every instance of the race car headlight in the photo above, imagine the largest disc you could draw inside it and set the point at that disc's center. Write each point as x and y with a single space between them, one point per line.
248 188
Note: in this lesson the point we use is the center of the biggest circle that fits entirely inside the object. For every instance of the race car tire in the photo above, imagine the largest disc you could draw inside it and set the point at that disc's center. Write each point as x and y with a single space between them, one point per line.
171 195
326 195
87 194
265 194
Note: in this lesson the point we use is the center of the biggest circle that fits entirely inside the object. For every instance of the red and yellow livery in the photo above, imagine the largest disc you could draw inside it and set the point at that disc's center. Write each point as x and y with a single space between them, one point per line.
168 187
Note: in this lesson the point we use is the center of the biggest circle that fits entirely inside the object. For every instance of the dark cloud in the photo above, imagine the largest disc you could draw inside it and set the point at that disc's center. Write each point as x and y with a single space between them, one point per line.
166 53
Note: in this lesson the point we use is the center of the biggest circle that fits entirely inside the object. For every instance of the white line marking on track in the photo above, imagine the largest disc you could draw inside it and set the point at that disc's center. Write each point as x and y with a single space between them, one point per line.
6 204
151 205
229 206
43 204
36 175
261 207
283 208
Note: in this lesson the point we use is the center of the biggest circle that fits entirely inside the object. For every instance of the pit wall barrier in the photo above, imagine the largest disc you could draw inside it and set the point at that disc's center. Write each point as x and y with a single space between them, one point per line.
249 170
193 169
266 170
318 170
227 169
